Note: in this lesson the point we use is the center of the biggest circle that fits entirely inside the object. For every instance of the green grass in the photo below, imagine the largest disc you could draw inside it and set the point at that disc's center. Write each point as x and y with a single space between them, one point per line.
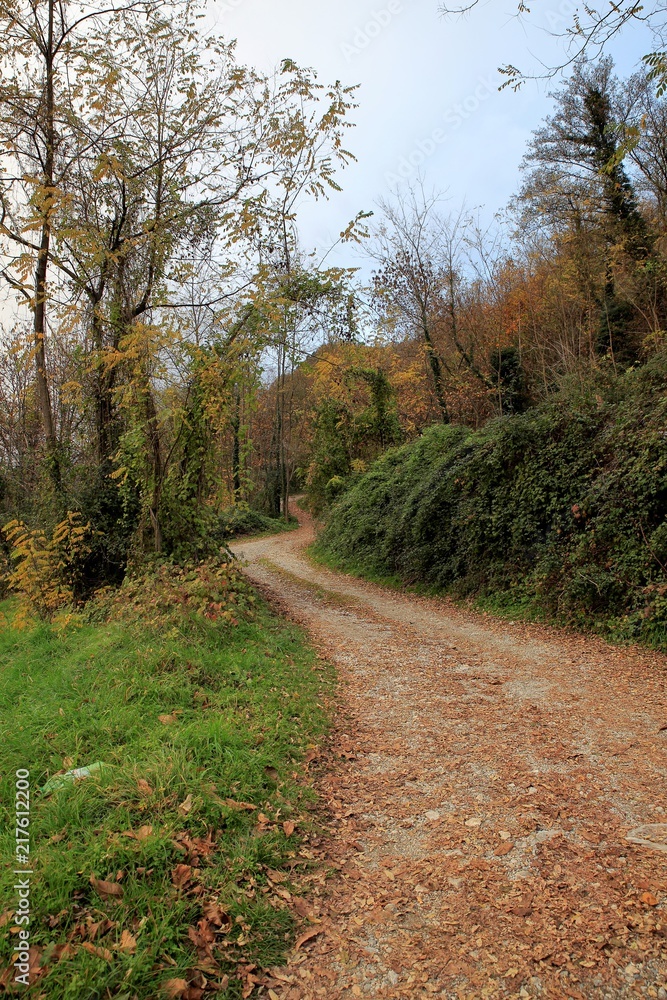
342 564
248 701
512 605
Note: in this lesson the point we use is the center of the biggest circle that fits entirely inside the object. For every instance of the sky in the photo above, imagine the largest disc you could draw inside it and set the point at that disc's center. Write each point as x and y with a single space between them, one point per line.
428 98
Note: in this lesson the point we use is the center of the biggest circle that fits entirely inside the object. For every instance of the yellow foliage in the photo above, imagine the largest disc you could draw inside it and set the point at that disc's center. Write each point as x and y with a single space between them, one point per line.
44 568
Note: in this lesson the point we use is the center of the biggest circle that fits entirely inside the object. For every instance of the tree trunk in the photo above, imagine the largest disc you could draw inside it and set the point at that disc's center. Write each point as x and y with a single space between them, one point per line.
103 391
280 428
42 266
236 444
154 454
436 369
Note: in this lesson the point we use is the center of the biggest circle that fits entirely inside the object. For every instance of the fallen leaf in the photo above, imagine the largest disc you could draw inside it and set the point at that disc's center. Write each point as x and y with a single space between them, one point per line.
35 968
202 937
288 827
185 806
167 720
503 849
6 917
233 804
272 773
275 875
263 819
55 918
216 915
307 936
144 787
96 950
106 889
181 875
649 899
127 943
174 988
143 833
475 821
53 953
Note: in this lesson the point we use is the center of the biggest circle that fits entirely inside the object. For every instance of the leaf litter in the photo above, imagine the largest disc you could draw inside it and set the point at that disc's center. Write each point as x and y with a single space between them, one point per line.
475 828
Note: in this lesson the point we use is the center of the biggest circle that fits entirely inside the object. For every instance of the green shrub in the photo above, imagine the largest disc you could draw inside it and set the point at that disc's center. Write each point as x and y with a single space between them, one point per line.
243 520
564 505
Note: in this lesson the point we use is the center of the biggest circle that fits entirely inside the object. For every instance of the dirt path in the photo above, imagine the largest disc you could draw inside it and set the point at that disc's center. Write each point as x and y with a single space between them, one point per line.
483 779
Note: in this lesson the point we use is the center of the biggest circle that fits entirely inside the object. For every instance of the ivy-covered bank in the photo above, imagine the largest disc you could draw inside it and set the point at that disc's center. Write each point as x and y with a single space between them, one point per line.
560 512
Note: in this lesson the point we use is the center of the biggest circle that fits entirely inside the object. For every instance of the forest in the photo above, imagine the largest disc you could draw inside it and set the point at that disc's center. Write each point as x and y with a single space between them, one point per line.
475 411
187 367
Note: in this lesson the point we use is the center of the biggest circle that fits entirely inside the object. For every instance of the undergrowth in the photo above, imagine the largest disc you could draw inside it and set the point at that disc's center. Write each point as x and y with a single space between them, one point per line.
560 512
241 520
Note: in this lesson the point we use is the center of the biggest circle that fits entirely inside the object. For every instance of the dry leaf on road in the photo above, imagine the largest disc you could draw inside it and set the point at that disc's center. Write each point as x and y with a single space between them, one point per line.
307 936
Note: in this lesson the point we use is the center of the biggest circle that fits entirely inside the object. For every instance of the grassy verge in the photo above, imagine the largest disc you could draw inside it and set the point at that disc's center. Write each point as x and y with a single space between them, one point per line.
340 564
169 872
509 605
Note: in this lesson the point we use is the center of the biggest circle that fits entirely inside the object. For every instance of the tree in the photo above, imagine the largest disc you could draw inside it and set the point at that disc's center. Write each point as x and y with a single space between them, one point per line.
579 177
589 34
644 116
424 258
297 303
168 159
42 49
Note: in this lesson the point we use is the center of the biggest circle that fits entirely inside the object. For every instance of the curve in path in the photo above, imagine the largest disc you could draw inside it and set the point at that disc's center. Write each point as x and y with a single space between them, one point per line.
482 781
